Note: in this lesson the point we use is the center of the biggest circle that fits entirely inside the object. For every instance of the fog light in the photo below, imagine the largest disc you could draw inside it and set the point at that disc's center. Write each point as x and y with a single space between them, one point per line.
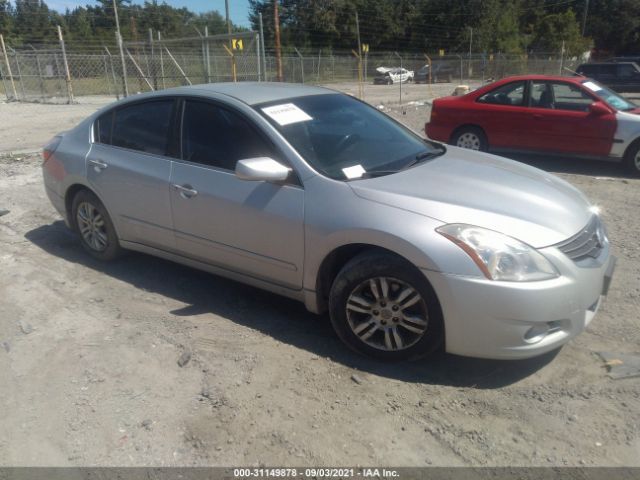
536 333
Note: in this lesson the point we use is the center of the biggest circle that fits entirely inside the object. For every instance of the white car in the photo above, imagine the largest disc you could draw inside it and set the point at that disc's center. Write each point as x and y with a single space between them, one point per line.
389 76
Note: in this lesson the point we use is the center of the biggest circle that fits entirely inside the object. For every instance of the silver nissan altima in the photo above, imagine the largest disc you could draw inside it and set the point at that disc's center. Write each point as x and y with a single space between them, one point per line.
411 246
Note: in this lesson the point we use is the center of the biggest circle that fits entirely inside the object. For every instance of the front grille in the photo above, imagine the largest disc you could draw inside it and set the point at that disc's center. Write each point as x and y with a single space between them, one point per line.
588 242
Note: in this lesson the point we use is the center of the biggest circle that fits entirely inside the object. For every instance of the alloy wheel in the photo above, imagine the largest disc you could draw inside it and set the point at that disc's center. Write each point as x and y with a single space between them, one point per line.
387 314
92 227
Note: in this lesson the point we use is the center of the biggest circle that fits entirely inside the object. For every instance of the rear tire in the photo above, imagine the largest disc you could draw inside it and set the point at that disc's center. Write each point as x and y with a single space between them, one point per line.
472 138
94 227
632 158
382 306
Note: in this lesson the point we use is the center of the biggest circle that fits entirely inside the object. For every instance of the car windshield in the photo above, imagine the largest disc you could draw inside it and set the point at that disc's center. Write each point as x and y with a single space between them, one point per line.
609 96
344 138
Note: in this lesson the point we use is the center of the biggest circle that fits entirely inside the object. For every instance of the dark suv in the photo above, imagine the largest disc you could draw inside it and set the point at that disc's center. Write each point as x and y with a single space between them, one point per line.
619 76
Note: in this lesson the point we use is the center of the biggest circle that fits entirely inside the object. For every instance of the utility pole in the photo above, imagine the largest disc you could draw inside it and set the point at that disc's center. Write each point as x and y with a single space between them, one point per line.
584 16
276 21
119 40
226 9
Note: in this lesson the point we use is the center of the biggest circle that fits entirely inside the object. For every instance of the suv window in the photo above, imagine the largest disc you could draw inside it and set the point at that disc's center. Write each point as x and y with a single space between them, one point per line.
143 126
102 128
509 94
627 71
215 136
588 69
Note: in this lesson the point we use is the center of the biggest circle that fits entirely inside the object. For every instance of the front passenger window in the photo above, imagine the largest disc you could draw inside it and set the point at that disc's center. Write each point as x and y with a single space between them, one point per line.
218 137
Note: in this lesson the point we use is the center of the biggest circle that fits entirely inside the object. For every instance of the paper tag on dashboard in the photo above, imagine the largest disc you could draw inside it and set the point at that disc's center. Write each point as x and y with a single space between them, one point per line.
287 113
354 172
592 86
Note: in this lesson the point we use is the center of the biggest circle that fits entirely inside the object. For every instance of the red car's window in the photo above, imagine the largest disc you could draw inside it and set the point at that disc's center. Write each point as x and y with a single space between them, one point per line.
559 96
509 94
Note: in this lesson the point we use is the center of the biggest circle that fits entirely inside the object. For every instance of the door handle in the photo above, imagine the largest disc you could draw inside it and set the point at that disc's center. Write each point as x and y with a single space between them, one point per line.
98 165
186 191
538 116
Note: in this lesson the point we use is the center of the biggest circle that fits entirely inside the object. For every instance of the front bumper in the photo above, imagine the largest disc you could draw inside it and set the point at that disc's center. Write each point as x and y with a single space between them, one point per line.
514 320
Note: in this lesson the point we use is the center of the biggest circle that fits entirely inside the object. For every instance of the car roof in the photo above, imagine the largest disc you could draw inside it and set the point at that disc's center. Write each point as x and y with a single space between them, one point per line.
251 93
551 78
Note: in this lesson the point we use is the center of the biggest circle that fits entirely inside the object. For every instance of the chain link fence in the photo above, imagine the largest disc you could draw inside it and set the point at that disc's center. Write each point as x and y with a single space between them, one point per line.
40 75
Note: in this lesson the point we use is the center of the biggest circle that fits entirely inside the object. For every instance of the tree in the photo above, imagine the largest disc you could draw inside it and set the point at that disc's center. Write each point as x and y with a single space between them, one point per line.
6 19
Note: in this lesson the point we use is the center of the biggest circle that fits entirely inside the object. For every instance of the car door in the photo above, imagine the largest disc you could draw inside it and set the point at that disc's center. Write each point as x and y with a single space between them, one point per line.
253 228
128 168
562 121
502 114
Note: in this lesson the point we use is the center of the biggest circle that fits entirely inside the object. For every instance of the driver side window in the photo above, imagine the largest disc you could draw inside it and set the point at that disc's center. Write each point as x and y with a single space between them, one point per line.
218 137
509 94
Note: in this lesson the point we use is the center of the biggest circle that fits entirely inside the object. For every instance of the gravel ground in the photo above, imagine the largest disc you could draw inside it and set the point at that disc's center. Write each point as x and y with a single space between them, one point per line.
90 355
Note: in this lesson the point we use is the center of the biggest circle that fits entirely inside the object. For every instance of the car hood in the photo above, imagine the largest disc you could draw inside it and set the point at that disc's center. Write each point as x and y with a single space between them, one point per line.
479 189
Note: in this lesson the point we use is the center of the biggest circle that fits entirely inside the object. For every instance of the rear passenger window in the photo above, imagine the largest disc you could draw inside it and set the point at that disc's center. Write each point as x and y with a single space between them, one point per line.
143 126
218 137
102 128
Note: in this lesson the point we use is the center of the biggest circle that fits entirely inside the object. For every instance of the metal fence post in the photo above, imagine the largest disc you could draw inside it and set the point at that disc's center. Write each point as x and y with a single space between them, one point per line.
24 93
161 61
42 90
66 66
113 73
207 53
258 50
4 82
106 73
264 59
6 59
301 63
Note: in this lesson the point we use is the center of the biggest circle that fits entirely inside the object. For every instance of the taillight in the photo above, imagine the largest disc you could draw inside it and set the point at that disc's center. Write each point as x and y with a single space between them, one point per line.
50 148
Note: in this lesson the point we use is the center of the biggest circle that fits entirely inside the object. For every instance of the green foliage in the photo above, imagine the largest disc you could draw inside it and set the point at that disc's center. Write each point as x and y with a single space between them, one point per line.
26 22
507 26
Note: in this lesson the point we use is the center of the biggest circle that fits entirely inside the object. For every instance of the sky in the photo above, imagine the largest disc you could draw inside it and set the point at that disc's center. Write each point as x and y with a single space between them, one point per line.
238 9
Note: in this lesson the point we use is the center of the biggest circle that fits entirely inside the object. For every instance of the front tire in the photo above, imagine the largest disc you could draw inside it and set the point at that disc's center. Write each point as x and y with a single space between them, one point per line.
472 138
382 306
632 158
94 227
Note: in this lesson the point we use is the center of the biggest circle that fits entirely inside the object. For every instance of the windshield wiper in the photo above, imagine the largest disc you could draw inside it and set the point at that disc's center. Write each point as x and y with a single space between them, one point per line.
417 159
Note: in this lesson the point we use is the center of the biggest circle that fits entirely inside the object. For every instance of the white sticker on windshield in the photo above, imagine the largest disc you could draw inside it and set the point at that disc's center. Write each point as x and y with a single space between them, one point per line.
354 172
287 113
592 86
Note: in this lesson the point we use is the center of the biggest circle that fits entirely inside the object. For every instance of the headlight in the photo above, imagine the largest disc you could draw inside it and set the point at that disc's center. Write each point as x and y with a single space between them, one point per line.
499 256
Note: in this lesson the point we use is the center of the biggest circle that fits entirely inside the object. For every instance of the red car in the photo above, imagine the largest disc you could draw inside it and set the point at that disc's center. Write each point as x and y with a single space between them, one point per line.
567 115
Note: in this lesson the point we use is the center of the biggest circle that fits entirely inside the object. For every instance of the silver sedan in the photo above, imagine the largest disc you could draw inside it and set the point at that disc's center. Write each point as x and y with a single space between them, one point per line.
410 245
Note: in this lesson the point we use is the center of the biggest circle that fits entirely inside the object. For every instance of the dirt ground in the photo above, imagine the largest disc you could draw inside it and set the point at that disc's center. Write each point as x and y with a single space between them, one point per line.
89 354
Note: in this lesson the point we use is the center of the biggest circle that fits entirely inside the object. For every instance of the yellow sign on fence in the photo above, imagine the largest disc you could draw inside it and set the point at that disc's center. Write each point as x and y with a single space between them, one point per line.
236 44
441 52
365 48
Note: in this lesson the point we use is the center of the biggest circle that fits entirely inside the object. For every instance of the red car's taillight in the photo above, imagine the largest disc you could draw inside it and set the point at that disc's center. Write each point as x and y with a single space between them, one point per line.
50 148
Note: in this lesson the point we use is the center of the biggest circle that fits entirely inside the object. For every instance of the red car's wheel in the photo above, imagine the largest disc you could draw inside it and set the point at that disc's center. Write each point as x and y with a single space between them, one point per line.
472 138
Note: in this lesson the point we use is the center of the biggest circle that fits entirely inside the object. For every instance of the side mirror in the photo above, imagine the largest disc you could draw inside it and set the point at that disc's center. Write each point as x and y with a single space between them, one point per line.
599 108
263 169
